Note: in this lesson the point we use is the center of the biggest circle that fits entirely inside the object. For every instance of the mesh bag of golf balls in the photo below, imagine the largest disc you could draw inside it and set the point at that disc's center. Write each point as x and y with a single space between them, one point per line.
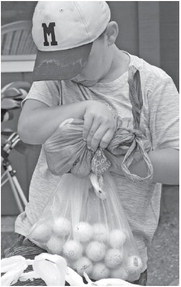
90 231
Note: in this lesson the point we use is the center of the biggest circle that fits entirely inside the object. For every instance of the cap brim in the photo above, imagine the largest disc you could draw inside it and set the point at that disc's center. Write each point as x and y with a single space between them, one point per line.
60 65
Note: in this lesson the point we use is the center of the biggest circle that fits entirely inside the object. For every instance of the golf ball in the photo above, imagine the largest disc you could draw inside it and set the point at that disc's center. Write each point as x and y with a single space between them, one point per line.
119 273
55 245
117 238
100 232
72 250
100 271
61 226
83 265
134 264
41 233
113 258
83 231
96 250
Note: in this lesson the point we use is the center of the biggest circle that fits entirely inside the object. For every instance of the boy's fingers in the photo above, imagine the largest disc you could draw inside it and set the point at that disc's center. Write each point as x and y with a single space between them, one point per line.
92 132
87 126
106 139
96 139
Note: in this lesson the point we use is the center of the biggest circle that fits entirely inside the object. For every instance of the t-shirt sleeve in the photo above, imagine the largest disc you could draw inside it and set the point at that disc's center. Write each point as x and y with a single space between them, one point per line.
163 101
47 92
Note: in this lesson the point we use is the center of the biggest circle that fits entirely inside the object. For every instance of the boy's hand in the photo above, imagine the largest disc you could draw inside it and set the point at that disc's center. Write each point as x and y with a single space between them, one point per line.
100 123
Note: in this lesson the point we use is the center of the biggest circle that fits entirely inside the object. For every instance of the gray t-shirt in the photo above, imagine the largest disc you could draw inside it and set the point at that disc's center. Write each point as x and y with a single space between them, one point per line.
159 122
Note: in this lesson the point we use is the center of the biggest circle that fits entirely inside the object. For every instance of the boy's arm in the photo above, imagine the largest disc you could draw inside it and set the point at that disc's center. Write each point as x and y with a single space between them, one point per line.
165 166
163 107
163 101
38 121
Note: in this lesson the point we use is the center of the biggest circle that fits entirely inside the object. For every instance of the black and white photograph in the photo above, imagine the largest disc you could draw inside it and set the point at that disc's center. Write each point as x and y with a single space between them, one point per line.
90 143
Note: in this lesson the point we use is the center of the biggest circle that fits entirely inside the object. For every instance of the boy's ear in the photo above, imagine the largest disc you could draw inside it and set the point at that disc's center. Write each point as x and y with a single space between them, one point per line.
112 31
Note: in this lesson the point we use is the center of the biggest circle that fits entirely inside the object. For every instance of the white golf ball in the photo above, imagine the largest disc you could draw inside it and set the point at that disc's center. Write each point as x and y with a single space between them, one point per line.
83 265
100 271
83 232
61 226
134 264
55 245
72 250
117 238
100 232
96 250
113 258
42 232
119 273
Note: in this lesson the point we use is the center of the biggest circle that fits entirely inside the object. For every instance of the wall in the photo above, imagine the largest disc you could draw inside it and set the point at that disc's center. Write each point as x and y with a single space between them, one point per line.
169 38
150 30
16 10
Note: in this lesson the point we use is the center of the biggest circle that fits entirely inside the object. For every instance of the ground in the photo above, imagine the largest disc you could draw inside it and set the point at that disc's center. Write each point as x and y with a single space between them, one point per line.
163 265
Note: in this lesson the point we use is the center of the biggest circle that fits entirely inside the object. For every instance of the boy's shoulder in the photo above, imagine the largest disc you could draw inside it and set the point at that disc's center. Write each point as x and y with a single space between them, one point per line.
147 70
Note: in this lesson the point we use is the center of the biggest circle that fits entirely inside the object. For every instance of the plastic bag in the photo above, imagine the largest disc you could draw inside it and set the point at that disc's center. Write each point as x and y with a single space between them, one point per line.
90 232
52 269
84 220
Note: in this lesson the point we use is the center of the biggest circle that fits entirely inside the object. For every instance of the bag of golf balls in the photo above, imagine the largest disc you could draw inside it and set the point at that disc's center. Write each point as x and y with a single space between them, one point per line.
90 232
84 221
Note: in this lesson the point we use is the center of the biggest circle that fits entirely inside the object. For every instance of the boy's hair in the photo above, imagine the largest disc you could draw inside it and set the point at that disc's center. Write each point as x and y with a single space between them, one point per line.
102 34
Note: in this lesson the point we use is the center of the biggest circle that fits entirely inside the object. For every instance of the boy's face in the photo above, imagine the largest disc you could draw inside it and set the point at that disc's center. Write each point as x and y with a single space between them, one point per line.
95 68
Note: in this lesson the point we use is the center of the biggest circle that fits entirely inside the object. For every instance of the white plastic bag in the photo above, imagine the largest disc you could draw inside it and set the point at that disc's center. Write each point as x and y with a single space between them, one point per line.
90 232
52 269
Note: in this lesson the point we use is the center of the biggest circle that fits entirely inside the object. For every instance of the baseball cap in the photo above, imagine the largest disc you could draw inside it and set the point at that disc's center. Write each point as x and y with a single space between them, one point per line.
63 32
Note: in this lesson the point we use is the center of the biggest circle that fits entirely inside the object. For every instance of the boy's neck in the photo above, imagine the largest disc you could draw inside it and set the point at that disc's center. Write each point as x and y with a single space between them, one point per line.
119 65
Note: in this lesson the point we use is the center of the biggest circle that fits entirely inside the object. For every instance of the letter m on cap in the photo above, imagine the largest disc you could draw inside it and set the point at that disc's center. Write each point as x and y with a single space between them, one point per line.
49 30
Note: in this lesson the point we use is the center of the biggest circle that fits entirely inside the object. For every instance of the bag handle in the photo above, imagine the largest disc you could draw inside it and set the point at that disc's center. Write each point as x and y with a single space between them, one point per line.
136 99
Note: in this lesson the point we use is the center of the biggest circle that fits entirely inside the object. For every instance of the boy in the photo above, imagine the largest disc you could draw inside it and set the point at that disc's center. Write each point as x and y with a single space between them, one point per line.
77 71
